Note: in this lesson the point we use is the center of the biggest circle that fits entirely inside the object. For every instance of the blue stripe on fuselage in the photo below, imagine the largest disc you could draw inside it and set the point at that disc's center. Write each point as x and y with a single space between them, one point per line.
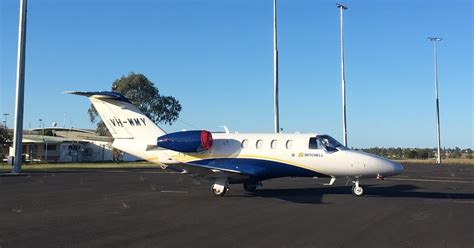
258 168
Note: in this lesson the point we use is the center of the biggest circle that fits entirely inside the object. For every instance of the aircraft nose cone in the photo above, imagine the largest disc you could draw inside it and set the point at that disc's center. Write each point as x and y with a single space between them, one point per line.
390 168
398 168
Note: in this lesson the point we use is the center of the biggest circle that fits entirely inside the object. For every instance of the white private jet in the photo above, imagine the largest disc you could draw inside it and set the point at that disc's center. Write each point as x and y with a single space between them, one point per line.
232 158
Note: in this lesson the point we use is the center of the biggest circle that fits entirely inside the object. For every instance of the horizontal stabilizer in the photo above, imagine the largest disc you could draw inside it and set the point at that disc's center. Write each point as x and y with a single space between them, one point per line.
100 95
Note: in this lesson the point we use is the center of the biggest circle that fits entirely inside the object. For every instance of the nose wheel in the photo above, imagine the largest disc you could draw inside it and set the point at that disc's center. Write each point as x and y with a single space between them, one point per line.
220 187
357 189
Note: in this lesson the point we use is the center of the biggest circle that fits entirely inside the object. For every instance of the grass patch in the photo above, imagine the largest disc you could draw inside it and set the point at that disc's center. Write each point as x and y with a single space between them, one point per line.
463 161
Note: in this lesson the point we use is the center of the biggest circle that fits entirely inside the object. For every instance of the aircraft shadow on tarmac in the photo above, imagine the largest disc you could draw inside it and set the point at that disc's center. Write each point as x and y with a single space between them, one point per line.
315 195
407 191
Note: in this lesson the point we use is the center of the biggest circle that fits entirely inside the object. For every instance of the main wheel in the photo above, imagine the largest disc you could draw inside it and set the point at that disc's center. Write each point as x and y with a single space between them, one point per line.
218 190
250 187
357 190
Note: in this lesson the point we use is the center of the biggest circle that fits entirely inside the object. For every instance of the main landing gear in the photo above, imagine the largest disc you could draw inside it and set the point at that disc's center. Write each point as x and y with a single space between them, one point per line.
357 189
252 186
220 186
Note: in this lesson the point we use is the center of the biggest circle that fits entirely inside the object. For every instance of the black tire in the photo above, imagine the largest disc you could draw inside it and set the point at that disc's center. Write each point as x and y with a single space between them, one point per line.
250 187
358 191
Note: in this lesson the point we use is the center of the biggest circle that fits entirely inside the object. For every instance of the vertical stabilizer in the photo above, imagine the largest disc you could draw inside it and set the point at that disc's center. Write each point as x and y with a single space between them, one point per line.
123 119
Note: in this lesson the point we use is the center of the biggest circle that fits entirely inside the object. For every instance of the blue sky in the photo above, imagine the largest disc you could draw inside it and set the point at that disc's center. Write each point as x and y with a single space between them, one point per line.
216 58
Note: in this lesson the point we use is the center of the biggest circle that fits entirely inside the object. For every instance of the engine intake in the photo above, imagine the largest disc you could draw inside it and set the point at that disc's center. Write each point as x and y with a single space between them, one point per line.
186 141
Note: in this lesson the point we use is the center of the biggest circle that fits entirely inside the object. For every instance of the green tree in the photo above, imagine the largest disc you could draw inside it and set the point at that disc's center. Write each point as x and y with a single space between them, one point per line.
5 135
5 140
424 153
413 154
142 93
399 153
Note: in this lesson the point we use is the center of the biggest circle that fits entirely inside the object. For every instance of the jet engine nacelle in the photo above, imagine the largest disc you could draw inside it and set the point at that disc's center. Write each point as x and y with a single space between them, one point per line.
186 141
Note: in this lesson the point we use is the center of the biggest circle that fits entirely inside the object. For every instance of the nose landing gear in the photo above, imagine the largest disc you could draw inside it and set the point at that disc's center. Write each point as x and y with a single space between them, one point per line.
220 186
357 189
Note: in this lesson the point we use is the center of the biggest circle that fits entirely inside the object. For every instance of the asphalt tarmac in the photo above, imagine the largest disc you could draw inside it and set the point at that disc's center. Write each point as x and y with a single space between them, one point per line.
426 206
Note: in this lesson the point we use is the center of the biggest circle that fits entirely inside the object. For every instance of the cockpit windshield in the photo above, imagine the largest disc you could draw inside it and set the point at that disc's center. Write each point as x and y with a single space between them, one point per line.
329 143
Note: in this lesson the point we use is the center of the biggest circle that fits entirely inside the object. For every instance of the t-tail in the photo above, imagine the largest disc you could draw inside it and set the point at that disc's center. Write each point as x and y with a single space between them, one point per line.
133 131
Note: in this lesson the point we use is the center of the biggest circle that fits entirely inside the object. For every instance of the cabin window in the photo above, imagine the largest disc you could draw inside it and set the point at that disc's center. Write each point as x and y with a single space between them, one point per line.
274 144
259 144
245 143
329 143
289 144
314 143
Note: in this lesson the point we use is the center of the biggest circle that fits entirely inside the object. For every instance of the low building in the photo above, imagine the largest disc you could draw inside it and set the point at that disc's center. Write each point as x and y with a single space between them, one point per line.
69 145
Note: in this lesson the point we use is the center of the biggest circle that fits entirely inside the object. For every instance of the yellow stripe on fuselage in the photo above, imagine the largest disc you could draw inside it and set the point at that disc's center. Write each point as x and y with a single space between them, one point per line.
186 158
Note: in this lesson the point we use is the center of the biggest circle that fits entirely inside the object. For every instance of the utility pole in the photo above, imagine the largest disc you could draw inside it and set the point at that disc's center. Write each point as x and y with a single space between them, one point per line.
20 90
275 68
435 41
343 78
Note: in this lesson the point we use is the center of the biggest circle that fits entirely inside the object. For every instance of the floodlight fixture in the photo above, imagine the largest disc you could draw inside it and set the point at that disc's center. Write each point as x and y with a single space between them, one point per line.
341 6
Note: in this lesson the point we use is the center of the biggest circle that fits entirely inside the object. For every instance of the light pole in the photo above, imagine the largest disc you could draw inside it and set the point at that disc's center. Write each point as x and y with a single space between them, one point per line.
6 119
20 90
435 41
343 78
275 68
41 130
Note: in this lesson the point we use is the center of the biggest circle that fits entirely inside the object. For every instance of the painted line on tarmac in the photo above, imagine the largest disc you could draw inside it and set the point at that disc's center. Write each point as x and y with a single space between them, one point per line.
159 172
465 202
428 180
138 172
174 191
451 177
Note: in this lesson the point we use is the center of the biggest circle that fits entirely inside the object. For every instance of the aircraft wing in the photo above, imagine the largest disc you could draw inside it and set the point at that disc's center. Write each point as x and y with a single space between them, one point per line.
210 173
